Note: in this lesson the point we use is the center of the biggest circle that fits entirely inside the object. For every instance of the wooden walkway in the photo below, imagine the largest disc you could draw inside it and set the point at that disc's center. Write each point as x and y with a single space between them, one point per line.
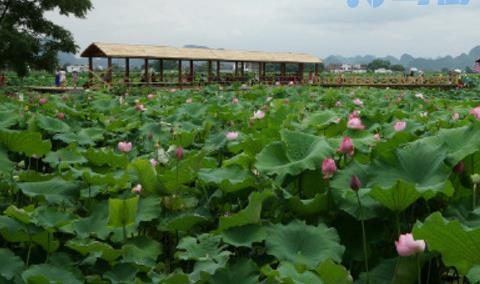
55 90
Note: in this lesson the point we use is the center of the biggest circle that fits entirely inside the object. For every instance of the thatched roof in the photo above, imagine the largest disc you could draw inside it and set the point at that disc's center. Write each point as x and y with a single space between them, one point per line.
200 54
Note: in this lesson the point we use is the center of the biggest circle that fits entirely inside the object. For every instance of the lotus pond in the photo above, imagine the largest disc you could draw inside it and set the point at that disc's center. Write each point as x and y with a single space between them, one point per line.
260 185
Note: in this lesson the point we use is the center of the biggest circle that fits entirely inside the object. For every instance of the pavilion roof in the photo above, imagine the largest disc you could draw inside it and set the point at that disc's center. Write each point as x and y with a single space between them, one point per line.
199 54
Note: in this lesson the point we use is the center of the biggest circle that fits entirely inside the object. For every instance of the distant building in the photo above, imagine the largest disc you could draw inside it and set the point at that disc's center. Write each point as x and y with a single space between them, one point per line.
347 68
77 68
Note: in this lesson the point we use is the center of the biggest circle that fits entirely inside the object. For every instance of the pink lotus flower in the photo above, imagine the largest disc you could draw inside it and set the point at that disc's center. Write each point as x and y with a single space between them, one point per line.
476 112
124 146
137 189
377 137
355 183
140 107
232 135
358 102
235 101
42 101
61 115
407 246
277 83
258 114
338 104
179 153
455 116
153 162
459 168
337 120
150 97
355 123
346 147
291 83
328 168
400 125
189 100
354 114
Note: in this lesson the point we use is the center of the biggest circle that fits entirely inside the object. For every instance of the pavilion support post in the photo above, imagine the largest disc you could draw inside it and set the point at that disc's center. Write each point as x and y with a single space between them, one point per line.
90 69
191 71
242 69
127 71
179 72
236 69
301 68
109 70
218 71
209 71
260 65
145 71
264 70
317 70
283 71
161 70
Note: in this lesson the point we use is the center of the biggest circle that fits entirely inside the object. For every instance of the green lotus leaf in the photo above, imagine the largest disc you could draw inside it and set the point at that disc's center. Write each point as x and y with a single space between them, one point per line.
395 271
332 273
122 212
106 157
8 118
85 136
53 125
47 273
121 273
474 274
10 264
95 225
459 142
56 190
64 156
92 247
288 273
6 166
182 222
141 251
244 236
50 218
27 142
243 270
320 119
304 244
296 152
459 246
419 164
149 208
228 179
146 176
249 215
346 198
23 215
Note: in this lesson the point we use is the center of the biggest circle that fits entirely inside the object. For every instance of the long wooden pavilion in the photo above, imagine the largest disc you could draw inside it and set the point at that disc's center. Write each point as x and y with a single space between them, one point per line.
150 53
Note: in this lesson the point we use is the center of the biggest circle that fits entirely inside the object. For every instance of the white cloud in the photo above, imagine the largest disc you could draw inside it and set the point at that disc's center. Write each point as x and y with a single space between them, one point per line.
320 27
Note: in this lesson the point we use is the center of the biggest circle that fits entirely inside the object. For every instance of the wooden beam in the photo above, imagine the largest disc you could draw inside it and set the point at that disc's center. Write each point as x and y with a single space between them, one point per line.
210 71
161 70
90 69
191 71
218 70
242 69
127 70
145 71
317 69
109 70
260 65
180 71
301 67
283 71
236 69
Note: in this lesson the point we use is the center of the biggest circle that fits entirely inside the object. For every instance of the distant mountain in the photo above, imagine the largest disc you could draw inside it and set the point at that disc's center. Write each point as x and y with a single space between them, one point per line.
461 61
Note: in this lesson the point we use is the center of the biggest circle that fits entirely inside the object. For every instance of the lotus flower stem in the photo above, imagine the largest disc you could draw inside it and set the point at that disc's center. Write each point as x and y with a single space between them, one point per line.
474 198
364 236
419 272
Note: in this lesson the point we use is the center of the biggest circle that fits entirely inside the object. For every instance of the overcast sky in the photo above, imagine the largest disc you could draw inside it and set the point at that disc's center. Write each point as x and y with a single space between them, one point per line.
319 27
